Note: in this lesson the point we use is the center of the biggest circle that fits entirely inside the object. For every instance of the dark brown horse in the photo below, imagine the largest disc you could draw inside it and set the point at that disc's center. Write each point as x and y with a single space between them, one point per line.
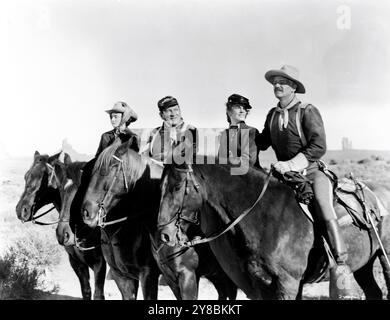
41 189
270 253
73 179
125 179
125 245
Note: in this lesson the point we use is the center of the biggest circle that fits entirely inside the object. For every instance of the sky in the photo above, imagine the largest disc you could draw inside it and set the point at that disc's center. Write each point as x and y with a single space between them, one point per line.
63 62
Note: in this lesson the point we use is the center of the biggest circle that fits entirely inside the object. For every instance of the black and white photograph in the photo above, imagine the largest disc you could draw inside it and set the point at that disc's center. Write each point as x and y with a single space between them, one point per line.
194 150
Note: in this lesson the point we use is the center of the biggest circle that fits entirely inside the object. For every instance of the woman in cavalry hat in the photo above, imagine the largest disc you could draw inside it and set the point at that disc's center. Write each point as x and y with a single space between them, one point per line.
238 143
296 133
121 115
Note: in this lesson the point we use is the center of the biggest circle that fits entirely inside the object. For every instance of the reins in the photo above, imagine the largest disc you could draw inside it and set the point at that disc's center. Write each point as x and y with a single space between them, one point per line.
236 221
34 218
198 240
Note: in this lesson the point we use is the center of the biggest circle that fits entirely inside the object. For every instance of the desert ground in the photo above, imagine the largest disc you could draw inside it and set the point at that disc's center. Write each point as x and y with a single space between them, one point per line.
58 281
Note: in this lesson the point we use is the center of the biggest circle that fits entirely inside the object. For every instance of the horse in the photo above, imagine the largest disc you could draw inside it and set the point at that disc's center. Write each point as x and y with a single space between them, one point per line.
39 191
71 230
123 178
125 245
271 252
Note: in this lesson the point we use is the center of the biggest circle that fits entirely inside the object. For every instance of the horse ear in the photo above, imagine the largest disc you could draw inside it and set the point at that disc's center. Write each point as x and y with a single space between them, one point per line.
36 154
55 156
67 159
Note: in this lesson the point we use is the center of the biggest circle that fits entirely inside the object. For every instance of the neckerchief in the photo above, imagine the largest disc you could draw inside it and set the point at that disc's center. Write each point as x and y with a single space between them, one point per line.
173 130
283 113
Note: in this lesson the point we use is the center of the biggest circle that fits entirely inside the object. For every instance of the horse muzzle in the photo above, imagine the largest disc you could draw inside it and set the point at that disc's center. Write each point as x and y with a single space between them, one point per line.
65 236
24 212
171 235
89 213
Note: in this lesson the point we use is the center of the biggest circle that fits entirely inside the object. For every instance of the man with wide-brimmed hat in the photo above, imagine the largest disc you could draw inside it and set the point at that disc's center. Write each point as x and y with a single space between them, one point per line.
296 132
173 132
237 144
121 115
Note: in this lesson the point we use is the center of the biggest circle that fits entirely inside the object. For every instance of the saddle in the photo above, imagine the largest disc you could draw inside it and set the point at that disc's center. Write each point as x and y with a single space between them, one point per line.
355 198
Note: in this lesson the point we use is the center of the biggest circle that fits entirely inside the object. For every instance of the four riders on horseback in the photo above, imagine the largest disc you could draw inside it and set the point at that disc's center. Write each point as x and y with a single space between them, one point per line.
293 129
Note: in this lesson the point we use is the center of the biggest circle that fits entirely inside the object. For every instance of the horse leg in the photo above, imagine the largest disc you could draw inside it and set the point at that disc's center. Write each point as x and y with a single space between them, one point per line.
188 284
284 287
225 287
128 287
366 280
386 272
149 283
174 287
82 272
299 295
99 270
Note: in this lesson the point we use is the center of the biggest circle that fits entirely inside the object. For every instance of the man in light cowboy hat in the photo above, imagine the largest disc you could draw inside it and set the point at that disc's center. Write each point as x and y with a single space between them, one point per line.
238 143
121 115
173 131
296 133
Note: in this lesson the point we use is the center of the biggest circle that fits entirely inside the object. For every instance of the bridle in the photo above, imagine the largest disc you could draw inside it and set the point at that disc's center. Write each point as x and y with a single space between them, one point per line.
34 218
199 240
178 217
102 212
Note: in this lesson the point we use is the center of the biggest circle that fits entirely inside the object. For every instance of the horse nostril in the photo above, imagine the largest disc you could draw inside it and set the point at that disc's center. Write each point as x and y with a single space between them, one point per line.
85 213
164 237
25 214
66 236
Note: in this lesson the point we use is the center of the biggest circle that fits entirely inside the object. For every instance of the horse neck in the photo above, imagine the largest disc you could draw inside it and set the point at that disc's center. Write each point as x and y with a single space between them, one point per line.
217 184
75 170
51 195
146 193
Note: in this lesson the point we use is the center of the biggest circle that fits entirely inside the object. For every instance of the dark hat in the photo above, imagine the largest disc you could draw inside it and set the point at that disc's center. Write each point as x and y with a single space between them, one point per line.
240 100
288 72
167 102
129 114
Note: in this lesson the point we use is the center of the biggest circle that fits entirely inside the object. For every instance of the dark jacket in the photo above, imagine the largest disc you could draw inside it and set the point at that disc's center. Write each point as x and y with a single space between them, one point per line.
287 142
108 138
230 147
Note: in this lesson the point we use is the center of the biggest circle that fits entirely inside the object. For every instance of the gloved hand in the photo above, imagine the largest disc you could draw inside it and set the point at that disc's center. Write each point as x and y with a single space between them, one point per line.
282 167
298 163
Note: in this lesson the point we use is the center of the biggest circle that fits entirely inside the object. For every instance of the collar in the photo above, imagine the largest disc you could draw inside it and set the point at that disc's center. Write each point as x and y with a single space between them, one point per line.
237 126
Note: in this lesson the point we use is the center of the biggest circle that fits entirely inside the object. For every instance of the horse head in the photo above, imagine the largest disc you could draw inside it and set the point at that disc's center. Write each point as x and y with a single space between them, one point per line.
115 173
38 186
68 185
181 202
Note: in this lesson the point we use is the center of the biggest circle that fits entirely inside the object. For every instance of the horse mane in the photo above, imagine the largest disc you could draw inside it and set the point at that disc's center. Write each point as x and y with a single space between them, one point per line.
74 171
134 164
103 160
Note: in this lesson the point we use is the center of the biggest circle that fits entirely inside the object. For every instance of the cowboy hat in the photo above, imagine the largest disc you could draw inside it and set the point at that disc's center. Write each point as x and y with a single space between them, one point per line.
288 72
129 114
